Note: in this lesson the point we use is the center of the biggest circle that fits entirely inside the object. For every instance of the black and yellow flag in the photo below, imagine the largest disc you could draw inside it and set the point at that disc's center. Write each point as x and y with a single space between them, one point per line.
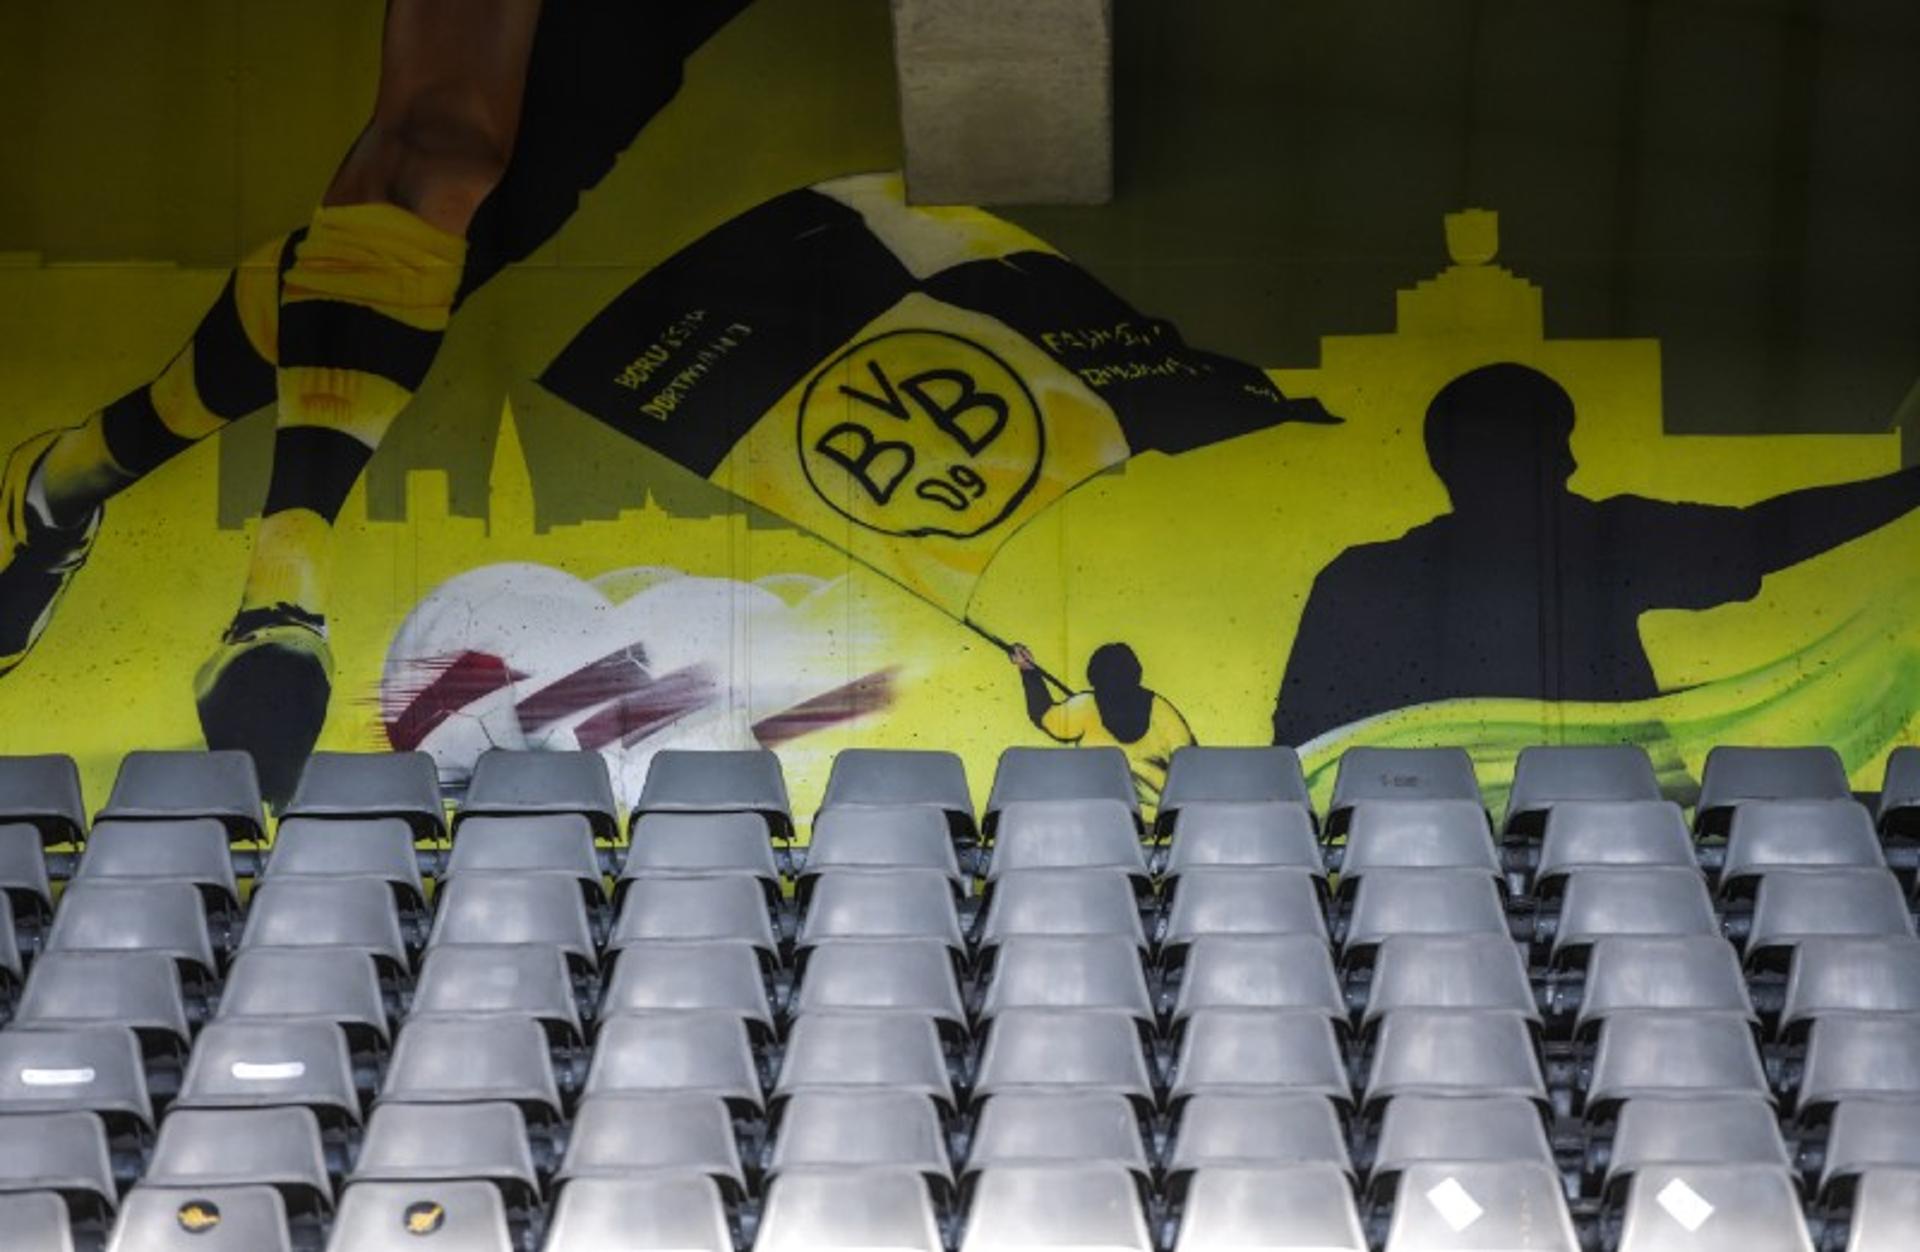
911 384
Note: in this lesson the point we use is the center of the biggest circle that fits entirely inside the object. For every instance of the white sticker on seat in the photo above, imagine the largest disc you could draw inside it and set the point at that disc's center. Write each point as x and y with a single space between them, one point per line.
268 1071
1684 1205
1457 1209
57 1077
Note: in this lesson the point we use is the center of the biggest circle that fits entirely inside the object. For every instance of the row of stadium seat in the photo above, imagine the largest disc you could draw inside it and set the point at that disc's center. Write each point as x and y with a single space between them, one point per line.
44 792
703 1038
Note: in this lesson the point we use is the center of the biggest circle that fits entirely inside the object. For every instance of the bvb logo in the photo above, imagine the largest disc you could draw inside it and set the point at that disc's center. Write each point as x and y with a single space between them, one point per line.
197 1217
424 1218
921 432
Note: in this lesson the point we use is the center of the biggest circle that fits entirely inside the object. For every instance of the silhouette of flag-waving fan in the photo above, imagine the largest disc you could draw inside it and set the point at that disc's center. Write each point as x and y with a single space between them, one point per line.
910 384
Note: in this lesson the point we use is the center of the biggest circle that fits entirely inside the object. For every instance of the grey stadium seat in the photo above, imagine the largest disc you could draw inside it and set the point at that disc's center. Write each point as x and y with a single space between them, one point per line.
1886 1211
1258 1050
881 904
393 1217
1797 905
1061 902
1865 1135
747 781
159 785
641 1213
525 908
1058 1127
1694 1130
428 1143
1207 776
1449 1052
338 985
1713 1208
617 1136
136 989
277 1147
67 1153
1275 833
1856 975
500 980
889 1051
681 1052
24 879
1065 971
190 850
701 843
893 777
862 837
1471 971
210 1219
1546 777
1064 1049
1421 902
43 792
1259 1129
1066 834
38 1221
402 785
167 917
1416 834
1472 1206
1241 901
542 843
1673 1054
1796 834
1302 1207
712 908
1257 972
895 975
807 1210
724 975
1030 1207
464 1060
1059 774
1584 834
1417 1129
1630 973
374 847
1735 776
1399 774
271 1064
1898 813
92 1069
517 783
862 1129
1603 902
328 913
1859 1057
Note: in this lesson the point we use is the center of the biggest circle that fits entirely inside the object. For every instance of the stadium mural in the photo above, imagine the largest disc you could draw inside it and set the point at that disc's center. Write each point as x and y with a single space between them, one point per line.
817 468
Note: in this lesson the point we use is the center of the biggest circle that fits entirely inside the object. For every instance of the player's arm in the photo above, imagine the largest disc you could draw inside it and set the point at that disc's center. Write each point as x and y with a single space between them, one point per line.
1040 705
1799 525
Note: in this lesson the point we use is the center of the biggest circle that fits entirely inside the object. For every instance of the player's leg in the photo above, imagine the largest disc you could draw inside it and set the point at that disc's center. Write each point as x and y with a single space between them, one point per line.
53 487
362 311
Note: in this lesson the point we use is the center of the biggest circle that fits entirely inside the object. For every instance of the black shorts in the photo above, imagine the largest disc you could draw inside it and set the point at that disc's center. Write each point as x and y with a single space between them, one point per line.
599 71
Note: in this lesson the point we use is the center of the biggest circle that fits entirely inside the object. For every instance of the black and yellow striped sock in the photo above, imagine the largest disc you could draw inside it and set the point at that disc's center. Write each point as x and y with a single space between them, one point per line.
224 373
362 312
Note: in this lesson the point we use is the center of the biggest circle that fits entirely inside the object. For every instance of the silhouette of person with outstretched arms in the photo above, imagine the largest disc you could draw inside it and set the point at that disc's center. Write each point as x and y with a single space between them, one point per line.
1117 713
1526 589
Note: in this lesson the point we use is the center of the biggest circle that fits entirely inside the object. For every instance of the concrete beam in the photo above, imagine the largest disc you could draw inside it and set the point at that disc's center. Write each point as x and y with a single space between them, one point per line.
1006 101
